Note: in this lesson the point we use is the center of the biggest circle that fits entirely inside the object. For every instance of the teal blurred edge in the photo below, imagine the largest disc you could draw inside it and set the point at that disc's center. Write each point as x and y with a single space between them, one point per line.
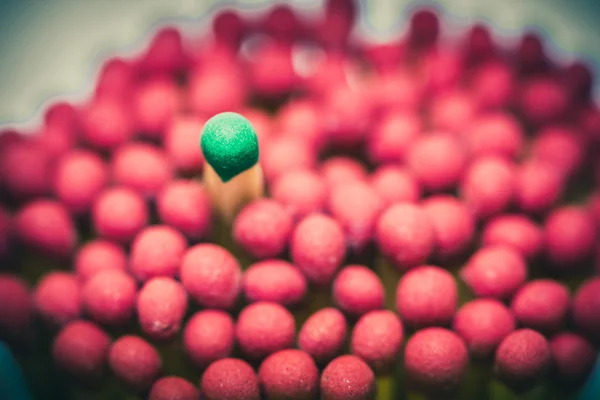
12 383
591 390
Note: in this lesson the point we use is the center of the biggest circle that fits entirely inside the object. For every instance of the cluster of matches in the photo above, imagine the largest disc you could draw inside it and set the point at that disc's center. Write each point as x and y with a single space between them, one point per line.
302 214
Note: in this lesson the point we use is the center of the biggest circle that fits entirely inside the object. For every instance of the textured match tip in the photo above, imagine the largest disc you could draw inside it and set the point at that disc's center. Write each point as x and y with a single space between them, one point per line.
229 144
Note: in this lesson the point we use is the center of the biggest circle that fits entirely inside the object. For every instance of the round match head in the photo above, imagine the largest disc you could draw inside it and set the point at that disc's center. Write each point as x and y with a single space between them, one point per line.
229 144
437 160
586 308
347 377
141 167
81 349
494 271
424 27
493 85
274 280
573 357
211 275
570 234
318 247
58 298
173 388
135 362
543 100
495 134
453 224
209 336
264 328
483 324
357 290
154 104
452 111
426 296
156 251
395 184
488 185
289 374
522 358
119 214
230 379
109 297
79 177
100 135
185 205
392 137
516 231
405 234
323 334
25 168
286 153
301 192
542 305
46 226
561 147
181 140
161 306
376 338
17 305
538 186
436 360
263 228
356 206
98 255
341 169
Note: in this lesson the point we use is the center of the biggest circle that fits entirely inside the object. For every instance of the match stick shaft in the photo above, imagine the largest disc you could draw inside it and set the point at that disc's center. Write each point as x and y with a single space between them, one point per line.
228 197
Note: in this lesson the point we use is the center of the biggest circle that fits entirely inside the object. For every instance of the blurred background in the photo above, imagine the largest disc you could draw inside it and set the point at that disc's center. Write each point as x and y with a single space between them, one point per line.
55 48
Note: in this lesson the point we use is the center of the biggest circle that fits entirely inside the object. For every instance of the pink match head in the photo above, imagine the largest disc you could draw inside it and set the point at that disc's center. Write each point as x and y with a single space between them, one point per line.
405 234
318 247
274 280
522 358
230 379
79 178
46 226
154 105
141 167
173 388
516 231
376 338
290 374
135 362
181 144
100 135
185 206
58 298
156 251
436 360
573 357
347 377
542 305
209 335
426 296
570 234
538 186
393 135
357 290
495 134
488 186
395 184
211 275
109 297
81 349
264 328
98 255
483 324
17 305
262 228
323 334
453 225
356 206
285 154
161 305
119 214
342 169
301 192
586 306
495 271
437 161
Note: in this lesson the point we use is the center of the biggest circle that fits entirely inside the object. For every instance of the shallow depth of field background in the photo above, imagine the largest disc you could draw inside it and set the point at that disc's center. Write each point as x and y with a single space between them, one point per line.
53 49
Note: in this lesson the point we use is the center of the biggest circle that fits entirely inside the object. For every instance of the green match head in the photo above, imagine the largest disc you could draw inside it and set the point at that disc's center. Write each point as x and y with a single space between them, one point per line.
229 144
